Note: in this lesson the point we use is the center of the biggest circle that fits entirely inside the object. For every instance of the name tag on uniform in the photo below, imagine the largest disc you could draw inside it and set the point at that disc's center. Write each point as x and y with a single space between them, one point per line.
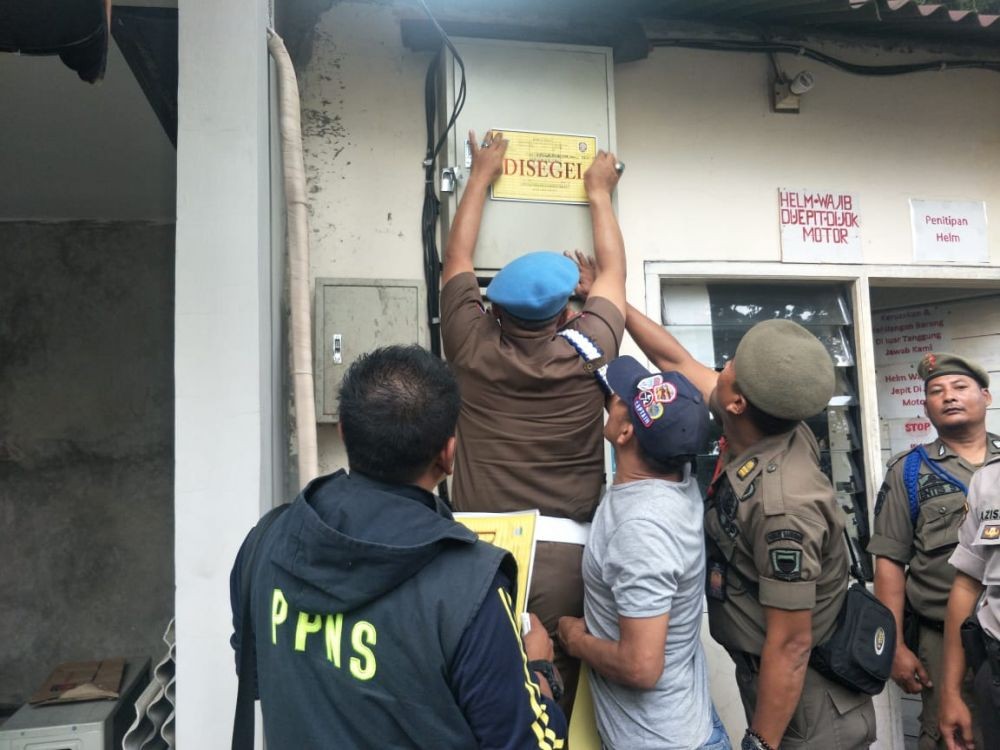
715 581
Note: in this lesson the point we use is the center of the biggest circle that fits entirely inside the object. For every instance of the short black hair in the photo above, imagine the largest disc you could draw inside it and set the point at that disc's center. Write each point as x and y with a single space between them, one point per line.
398 407
672 465
531 325
768 424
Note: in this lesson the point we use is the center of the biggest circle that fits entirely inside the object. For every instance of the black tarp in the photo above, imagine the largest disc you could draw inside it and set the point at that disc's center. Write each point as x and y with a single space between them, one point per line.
147 38
76 30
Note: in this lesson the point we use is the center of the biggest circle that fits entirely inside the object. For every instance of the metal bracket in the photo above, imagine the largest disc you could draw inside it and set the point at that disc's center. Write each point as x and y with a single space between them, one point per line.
449 179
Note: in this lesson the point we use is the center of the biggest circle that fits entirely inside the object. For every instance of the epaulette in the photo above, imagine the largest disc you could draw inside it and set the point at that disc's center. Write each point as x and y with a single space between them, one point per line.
897 458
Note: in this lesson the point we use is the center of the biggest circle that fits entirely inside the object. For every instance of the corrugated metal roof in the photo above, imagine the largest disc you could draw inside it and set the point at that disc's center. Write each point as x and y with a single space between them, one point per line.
898 19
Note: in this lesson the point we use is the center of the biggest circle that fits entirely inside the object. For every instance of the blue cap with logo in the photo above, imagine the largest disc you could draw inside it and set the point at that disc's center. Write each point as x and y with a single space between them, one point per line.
667 411
535 286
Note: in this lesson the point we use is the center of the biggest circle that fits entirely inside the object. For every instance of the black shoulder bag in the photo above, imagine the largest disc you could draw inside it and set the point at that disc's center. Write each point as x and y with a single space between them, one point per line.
243 720
859 653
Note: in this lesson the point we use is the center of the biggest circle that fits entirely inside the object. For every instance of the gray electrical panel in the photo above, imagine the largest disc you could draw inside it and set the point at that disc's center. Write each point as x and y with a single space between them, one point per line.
557 89
354 316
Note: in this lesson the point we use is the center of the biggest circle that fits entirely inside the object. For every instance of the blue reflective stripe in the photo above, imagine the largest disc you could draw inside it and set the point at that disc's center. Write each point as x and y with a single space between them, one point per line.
589 351
911 470
911 475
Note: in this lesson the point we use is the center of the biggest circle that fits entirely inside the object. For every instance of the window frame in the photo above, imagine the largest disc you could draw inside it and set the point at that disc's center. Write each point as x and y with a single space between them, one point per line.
859 280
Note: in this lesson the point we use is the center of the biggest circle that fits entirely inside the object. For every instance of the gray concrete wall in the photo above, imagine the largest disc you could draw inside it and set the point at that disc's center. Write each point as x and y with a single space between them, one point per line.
86 444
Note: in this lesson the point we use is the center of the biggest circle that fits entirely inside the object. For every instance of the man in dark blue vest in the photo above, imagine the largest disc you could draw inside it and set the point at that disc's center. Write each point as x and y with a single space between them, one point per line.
378 621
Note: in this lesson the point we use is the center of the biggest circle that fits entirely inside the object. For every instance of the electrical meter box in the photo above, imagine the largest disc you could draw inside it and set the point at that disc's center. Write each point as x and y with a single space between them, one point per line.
556 104
90 725
354 316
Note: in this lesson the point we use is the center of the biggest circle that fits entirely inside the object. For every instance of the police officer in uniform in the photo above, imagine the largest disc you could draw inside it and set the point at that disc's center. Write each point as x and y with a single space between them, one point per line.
975 595
919 509
778 563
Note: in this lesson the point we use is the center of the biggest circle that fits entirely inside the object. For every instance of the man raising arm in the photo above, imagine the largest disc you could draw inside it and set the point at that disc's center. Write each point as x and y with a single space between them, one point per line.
529 372
644 570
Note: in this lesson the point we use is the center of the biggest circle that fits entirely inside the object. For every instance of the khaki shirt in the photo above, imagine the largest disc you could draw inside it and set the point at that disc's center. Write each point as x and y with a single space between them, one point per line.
978 551
773 524
924 546
530 432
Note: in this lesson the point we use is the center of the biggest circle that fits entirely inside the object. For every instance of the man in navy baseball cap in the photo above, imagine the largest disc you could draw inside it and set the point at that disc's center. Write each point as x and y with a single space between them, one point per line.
668 414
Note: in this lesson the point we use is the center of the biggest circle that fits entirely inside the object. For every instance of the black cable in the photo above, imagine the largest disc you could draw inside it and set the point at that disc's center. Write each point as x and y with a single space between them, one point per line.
432 205
460 97
431 212
723 45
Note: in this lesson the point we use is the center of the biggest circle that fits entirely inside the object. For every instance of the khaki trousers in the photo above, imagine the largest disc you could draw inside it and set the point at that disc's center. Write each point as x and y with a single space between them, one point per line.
930 651
557 590
987 692
828 716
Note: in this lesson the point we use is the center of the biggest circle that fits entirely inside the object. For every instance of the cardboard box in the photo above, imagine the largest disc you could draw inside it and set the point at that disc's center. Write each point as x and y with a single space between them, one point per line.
72 682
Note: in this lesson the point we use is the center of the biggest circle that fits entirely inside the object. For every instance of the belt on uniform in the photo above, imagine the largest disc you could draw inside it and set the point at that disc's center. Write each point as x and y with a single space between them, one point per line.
562 530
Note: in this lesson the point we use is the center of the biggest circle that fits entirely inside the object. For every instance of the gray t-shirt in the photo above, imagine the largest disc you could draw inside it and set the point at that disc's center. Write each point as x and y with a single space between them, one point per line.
646 557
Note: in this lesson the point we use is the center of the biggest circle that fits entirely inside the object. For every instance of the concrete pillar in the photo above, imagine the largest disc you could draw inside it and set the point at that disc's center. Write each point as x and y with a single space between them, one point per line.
223 341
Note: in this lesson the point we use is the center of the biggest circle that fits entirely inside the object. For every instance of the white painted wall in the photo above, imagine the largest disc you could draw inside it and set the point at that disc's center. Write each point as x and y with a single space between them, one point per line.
223 418
704 155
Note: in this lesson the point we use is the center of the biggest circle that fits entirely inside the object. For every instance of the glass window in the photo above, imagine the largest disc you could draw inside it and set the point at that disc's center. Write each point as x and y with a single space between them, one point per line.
710 319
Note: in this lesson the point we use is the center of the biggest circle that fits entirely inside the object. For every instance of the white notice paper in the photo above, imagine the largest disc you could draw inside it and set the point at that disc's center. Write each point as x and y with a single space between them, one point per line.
949 231
819 226
900 391
906 335
905 434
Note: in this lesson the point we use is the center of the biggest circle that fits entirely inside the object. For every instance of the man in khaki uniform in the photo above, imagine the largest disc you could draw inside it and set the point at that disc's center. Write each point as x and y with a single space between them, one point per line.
919 509
778 564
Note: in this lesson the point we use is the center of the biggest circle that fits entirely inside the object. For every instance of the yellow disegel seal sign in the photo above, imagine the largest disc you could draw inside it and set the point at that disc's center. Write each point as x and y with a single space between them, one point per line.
544 167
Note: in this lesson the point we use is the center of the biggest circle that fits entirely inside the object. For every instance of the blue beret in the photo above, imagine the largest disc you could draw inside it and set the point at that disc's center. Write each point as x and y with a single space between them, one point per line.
535 286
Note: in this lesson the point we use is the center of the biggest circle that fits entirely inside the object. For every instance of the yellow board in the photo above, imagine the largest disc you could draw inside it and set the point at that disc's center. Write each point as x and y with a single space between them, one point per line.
514 532
545 167
583 726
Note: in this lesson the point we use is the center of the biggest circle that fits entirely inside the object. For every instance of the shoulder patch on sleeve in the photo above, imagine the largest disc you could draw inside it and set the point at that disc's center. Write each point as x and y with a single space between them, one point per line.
787 564
780 535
